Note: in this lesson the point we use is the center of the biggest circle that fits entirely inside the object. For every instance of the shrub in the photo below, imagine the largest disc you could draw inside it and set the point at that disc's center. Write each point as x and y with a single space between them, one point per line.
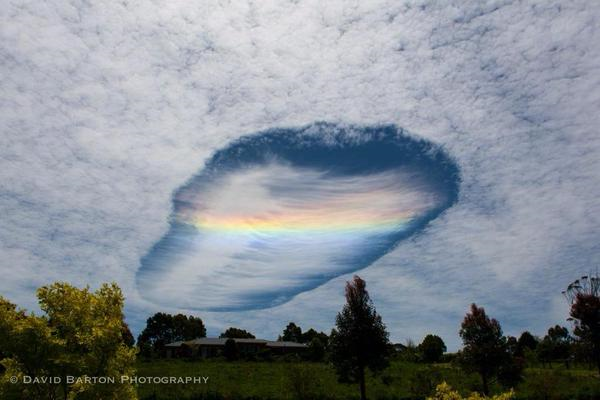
444 392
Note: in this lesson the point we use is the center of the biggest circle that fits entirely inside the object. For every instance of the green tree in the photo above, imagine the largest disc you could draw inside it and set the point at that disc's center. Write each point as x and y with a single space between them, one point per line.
80 334
408 352
291 333
128 338
584 298
485 350
360 339
432 348
526 342
316 349
187 327
236 333
311 334
162 329
556 346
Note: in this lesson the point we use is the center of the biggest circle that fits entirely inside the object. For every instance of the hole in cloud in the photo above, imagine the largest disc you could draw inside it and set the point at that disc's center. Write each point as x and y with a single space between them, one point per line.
284 211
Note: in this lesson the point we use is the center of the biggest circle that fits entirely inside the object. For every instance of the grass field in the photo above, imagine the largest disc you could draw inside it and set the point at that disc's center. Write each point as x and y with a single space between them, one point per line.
304 380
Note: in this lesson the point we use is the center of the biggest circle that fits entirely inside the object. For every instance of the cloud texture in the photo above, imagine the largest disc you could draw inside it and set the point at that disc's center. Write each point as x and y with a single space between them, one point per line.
283 212
107 108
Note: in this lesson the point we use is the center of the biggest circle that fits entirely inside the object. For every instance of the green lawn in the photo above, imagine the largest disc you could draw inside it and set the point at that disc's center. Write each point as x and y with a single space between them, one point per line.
304 380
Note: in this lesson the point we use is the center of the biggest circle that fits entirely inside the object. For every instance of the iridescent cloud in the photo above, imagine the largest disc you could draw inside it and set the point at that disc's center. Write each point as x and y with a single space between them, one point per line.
284 211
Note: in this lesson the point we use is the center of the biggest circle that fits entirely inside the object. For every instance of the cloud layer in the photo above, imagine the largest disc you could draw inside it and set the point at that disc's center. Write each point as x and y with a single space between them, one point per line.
106 108
283 212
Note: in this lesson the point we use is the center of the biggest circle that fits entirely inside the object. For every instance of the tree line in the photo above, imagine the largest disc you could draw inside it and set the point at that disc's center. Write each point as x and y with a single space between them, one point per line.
83 333
360 340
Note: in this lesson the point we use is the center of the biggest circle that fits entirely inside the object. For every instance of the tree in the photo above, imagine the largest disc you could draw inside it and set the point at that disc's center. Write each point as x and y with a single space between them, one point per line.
360 339
560 343
485 350
316 349
128 338
162 329
187 327
291 333
583 296
236 333
512 345
311 334
408 352
526 342
555 346
230 351
432 348
79 334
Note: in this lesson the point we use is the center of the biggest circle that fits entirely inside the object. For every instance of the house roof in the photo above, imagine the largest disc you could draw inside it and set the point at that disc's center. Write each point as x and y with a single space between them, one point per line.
174 344
221 342
286 344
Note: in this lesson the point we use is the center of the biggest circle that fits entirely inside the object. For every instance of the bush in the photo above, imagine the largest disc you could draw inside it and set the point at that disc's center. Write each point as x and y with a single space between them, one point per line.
424 381
448 358
444 392
557 384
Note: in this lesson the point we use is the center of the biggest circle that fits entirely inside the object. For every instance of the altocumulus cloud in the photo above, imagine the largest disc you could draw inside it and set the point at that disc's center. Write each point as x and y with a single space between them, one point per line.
107 109
283 212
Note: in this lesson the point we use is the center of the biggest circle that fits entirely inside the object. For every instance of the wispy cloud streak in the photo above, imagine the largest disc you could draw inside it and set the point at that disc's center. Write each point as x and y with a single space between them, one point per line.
281 213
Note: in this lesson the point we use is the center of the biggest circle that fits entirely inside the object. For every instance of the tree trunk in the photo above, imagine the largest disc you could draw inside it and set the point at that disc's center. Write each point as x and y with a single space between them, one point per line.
361 380
484 380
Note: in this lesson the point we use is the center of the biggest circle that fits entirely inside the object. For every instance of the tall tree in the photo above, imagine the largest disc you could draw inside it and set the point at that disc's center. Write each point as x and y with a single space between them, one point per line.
485 350
360 339
432 348
583 296
236 333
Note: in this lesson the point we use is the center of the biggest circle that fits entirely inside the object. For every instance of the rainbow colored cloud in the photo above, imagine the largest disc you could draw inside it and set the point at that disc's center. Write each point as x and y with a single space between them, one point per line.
284 211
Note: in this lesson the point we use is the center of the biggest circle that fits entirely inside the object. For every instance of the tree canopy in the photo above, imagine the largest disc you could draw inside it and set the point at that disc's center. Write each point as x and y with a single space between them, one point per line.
485 350
292 333
79 334
360 339
584 298
162 329
432 348
526 342
236 333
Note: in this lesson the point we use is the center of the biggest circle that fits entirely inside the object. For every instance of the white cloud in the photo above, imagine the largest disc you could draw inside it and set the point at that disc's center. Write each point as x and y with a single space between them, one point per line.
106 108
255 235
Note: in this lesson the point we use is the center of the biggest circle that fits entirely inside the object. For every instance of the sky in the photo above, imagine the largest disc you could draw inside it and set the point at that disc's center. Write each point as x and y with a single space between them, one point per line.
111 111
282 212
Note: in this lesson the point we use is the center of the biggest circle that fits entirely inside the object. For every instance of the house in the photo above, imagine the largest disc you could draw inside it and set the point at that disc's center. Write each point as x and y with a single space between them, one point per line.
211 347
399 347
281 348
